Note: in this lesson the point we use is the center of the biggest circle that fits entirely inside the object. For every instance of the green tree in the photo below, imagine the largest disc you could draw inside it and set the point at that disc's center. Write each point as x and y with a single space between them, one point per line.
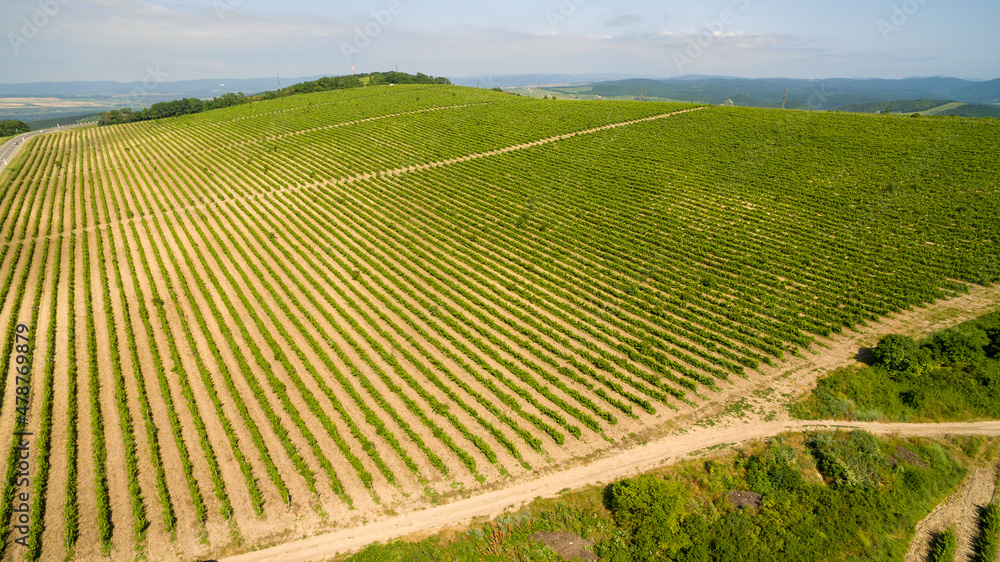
959 346
11 127
653 510
900 354
993 350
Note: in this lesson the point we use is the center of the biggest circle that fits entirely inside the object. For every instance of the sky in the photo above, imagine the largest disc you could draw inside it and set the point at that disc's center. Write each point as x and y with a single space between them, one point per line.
169 40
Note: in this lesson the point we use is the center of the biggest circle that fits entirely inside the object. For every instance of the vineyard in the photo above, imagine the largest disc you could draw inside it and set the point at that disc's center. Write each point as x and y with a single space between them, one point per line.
255 323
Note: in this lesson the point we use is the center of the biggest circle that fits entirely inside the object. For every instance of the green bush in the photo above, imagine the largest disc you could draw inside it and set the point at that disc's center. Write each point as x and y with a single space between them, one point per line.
774 471
11 127
989 534
900 354
855 461
945 545
958 346
653 511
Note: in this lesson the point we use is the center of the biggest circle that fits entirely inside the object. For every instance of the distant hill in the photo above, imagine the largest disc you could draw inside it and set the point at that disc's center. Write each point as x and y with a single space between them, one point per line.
546 79
62 102
190 106
63 121
184 89
928 107
907 106
864 95
805 94
975 110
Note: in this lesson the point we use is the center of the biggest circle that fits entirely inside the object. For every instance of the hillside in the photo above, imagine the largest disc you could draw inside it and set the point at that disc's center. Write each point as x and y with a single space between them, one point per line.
298 314
974 110
926 107
828 94
908 106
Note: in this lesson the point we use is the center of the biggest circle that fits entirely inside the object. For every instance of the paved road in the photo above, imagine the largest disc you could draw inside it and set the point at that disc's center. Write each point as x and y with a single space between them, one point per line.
10 148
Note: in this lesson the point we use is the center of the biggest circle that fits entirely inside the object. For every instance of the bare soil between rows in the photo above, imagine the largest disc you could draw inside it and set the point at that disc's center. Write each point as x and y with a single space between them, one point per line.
765 396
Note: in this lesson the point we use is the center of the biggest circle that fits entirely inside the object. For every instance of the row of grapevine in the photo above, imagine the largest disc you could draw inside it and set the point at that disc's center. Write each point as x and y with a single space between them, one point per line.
334 323
25 372
39 492
300 273
152 432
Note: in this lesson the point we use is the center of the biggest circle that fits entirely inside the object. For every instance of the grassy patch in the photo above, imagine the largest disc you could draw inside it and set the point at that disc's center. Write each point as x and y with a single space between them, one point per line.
830 496
953 375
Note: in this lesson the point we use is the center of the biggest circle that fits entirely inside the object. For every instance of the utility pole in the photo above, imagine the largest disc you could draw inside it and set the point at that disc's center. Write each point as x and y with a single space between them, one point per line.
279 83
785 98
641 92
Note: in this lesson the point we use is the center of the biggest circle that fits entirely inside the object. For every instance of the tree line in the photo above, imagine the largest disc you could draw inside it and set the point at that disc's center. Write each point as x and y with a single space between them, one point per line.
11 127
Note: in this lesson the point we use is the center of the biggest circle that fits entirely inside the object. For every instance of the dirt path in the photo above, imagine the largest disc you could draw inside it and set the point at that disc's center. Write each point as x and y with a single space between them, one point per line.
960 512
622 465
181 207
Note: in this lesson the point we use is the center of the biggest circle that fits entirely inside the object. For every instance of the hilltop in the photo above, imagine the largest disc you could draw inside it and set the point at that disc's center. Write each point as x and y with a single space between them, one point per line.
190 106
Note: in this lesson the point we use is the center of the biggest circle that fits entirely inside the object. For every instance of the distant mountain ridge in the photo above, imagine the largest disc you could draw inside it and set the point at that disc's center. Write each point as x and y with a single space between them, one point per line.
847 94
821 94
186 88
927 107
545 79
829 94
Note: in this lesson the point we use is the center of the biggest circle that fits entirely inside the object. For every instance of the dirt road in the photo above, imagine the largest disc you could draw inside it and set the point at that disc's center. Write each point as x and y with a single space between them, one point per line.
960 512
623 465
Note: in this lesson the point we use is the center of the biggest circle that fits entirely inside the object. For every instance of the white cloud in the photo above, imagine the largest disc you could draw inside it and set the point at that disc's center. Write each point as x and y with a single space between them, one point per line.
118 39
624 20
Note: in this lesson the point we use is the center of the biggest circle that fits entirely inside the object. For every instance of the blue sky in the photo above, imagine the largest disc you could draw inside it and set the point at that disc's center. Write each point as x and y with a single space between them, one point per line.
123 40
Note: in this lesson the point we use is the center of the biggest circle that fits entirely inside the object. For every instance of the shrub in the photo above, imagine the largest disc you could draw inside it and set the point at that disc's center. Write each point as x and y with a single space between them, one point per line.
989 534
945 545
854 461
958 346
900 354
653 510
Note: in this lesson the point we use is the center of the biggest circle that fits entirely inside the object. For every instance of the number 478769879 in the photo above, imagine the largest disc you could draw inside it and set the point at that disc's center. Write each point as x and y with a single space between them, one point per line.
22 361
